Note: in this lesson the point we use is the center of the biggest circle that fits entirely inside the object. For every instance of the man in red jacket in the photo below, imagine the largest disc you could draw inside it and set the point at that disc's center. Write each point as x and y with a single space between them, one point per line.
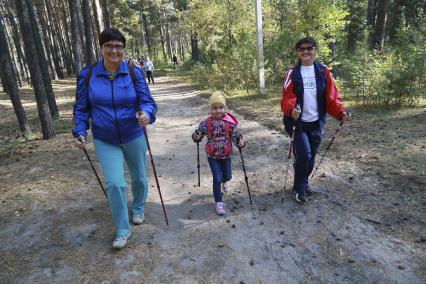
309 93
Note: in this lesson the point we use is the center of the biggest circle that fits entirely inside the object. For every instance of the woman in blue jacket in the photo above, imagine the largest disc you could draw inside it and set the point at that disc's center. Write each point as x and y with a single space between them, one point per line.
117 102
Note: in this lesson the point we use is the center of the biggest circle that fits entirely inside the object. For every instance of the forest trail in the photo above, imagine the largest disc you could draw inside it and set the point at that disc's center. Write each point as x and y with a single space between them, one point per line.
55 224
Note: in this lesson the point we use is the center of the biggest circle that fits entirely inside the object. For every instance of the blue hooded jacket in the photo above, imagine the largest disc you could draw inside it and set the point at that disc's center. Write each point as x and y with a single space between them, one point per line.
111 105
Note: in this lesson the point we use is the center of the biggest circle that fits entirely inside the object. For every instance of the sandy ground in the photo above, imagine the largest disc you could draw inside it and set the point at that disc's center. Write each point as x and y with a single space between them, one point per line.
56 227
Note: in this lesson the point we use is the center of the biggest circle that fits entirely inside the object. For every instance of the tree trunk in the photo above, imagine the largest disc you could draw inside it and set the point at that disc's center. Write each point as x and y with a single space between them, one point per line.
356 24
52 7
68 46
8 76
259 48
180 46
168 42
371 12
147 33
81 32
90 55
76 45
43 62
105 13
182 51
22 66
52 32
163 43
97 13
194 47
380 27
51 53
17 42
34 66
95 36
58 57
155 50
394 21
10 42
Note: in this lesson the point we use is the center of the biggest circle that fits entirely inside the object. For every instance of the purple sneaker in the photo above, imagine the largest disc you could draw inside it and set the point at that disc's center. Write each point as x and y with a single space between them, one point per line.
220 210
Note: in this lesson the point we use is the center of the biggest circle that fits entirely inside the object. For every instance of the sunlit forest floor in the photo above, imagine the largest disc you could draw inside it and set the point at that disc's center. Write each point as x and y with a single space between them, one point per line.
364 223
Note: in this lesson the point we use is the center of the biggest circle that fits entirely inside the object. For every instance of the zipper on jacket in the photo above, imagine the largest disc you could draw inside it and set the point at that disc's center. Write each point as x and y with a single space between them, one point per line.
115 111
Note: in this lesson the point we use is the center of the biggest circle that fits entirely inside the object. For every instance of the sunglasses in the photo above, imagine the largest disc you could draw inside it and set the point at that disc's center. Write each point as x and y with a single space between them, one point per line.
218 107
111 47
308 48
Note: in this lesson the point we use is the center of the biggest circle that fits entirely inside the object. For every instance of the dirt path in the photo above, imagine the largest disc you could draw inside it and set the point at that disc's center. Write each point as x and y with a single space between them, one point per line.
56 227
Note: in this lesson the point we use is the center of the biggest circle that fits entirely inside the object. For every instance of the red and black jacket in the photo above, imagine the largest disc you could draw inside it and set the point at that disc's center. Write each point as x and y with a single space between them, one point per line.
328 97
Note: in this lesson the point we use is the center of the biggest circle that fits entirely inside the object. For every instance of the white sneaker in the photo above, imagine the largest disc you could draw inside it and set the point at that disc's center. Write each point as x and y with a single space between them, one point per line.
138 219
225 187
120 242
220 210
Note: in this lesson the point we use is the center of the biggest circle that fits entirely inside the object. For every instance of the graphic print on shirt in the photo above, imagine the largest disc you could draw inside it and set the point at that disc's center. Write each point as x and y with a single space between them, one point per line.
309 83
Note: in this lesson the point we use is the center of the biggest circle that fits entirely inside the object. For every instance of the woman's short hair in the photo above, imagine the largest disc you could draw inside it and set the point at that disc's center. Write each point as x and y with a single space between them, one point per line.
306 40
111 34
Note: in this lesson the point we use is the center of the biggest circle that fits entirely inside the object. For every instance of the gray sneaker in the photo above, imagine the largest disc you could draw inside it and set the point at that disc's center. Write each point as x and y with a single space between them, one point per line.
138 219
120 242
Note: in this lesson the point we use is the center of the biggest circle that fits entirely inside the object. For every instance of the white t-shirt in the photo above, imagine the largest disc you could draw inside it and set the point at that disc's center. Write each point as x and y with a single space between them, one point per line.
148 65
310 104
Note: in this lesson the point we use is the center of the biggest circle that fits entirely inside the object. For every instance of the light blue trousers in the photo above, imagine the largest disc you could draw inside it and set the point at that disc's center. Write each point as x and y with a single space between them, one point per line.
111 158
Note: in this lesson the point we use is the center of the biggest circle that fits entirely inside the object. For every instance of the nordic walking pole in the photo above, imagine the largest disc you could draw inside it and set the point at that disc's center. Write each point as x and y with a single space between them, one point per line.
198 135
198 162
155 175
290 148
245 175
94 170
328 147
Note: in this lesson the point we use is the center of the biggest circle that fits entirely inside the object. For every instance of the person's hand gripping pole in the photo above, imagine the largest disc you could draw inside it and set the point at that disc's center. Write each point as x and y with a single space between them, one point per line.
295 113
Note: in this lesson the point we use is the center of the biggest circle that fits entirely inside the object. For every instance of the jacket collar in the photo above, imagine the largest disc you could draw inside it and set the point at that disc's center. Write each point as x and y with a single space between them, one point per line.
99 68
297 76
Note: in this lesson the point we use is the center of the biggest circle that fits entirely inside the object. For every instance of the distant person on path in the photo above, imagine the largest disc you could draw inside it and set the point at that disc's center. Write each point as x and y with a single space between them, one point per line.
309 93
221 131
108 99
175 61
134 62
149 70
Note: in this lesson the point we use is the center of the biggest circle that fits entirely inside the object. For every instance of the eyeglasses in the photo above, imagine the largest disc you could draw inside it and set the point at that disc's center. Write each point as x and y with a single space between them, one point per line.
218 107
302 49
111 47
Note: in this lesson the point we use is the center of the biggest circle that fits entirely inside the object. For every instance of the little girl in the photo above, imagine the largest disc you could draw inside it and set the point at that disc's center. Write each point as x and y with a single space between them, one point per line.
221 130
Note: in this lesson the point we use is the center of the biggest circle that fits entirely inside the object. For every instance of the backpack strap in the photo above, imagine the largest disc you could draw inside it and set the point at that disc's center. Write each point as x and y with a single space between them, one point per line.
89 75
132 73
228 129
209 127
